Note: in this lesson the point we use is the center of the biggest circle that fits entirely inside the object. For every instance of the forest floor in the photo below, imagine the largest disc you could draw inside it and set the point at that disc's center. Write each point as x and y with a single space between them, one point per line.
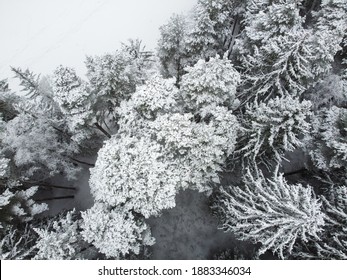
189 231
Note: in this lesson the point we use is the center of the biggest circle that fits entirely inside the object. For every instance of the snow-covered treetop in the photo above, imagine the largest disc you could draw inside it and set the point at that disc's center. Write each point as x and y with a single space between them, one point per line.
131 173
270 129
210 83
114 231
275 19
327 144
60 239
270 211
171 47
111 76
38 148
19 206
70 92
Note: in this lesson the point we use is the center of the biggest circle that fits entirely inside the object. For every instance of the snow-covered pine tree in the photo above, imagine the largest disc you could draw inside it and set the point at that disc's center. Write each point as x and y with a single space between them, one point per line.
278 54
211 83
75 100
115 231
18 205
38 96
270 212
60 238
214 24
327 143
17 242
271 129
329 29
171 47
201 40
332 242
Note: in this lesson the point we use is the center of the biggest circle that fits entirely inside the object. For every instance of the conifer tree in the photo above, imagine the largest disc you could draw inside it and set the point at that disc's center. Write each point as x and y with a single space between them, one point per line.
270 211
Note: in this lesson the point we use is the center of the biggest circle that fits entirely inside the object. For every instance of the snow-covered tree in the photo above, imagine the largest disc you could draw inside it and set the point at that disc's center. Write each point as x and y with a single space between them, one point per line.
327 143
75 100
201 39
329 29
37 148
38 95
271 129
197 151
270 211
264 20
115 231
279 54
332 242
18 205
60 238
158 96
112 78
328 92
211 83
17 243
171 47
132 173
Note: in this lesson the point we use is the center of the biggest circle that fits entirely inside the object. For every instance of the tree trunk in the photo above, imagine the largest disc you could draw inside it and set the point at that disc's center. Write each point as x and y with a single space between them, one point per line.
98 126
44 184
302 170
55 198
57 187
82 162
234 32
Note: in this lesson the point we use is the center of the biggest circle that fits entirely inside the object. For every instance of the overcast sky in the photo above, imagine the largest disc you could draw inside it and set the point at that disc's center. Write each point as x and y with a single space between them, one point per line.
41 34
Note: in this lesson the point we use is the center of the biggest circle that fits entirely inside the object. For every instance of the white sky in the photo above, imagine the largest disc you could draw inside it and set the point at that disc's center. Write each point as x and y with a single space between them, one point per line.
42 34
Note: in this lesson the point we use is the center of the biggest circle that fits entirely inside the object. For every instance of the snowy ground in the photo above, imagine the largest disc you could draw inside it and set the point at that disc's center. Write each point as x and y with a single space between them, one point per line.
82 200
189 231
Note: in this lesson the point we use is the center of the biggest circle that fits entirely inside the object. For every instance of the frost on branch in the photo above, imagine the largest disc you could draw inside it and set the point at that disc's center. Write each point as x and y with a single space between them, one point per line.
273 128
115 231
60 239
210 83
271 212
327 144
